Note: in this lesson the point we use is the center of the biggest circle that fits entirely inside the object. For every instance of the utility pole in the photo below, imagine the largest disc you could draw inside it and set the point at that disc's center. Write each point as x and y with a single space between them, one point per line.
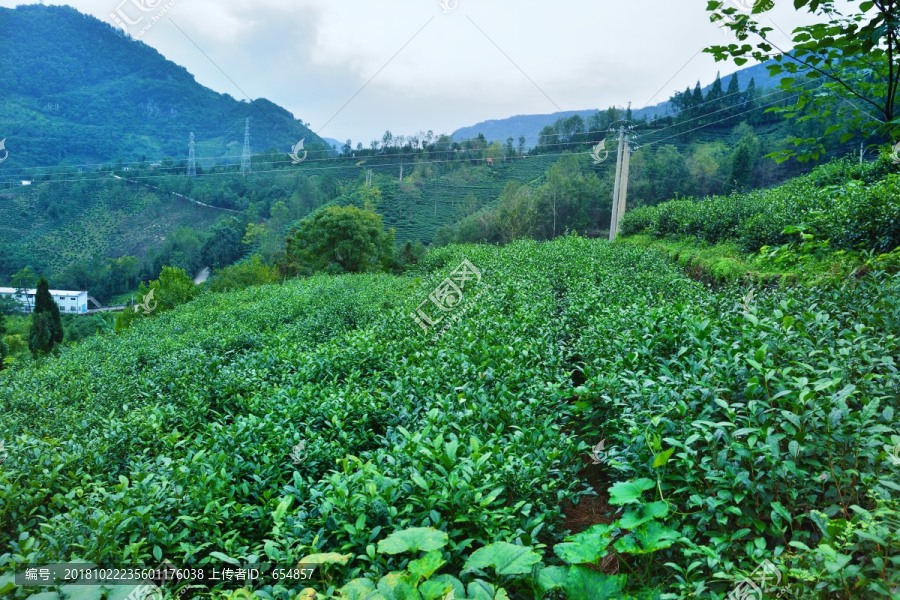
401 171
192 160
613 220
623 187
245 157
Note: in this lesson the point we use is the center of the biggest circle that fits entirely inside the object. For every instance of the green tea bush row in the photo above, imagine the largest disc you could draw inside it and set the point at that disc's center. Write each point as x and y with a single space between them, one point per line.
853 206
317 417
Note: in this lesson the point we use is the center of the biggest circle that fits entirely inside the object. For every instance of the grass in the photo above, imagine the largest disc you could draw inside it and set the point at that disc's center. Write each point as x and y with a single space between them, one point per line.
727 262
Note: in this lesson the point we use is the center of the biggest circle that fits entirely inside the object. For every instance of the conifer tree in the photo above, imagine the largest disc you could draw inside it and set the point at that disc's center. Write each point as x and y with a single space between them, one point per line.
733 98
3 348
46 323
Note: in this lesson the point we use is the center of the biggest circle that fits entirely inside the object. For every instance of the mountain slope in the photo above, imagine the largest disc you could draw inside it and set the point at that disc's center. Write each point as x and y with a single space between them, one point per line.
77 91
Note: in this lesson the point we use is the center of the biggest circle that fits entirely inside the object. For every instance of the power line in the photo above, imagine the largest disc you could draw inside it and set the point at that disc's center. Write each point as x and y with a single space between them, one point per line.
715 122
413 153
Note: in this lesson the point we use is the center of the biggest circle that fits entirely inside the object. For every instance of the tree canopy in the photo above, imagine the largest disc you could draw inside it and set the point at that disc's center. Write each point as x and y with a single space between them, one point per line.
339 239
850 56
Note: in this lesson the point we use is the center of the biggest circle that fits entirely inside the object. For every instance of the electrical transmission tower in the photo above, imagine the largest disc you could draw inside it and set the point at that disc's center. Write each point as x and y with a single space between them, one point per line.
192 160
245 157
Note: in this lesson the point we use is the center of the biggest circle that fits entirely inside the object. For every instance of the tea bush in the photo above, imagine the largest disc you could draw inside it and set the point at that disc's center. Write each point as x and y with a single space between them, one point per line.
316 418
854 206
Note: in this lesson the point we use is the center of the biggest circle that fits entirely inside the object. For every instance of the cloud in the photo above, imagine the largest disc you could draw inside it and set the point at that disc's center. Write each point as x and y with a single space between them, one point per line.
362 67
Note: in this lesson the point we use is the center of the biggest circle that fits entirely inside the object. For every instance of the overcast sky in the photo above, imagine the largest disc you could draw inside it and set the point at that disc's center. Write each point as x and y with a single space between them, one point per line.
428 66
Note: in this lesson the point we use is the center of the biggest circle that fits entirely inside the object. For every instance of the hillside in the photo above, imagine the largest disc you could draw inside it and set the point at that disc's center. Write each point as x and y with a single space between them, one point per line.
78 91
317 417
56 226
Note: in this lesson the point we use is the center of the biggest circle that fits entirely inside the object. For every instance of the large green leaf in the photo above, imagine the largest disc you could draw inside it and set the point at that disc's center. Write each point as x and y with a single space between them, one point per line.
83 592
629 492
505 558
357 589
396 586
326 558
7 583
551 578
585 547
426 566
480 590
445 583
637 516
415 539
225 558
647 538
583 583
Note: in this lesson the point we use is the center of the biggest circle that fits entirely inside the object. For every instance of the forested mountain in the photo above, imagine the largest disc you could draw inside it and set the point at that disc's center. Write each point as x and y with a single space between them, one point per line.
76 90
530 126
81 93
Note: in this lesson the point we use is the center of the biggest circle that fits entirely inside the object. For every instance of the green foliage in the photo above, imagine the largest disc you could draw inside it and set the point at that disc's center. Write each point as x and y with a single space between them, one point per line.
860 212
174 287
4 349
849 52
315 417
40 337
572 198
339 239
519 569
244 274
46 323
66 94
782 406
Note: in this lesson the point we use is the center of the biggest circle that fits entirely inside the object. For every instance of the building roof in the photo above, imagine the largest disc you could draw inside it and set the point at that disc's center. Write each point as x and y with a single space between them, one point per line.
9 290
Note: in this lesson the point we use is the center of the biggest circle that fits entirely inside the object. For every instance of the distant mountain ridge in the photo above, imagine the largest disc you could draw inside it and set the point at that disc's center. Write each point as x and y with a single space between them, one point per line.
499 130
77 90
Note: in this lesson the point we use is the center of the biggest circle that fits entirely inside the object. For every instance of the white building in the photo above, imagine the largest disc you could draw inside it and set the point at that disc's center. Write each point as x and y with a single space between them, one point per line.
69 303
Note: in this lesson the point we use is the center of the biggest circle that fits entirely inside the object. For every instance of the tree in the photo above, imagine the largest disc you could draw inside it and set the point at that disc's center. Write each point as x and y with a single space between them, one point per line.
9 306
733 95
223 246
744 158
23 280
46 324
279 215
515 212
173 287
40 336
697 100
411 254
714 96
571 198
244 274
4 350
842 69
339 239
368 196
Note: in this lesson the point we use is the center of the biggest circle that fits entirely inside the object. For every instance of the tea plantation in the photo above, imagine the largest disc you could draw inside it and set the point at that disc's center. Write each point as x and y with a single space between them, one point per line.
592 424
